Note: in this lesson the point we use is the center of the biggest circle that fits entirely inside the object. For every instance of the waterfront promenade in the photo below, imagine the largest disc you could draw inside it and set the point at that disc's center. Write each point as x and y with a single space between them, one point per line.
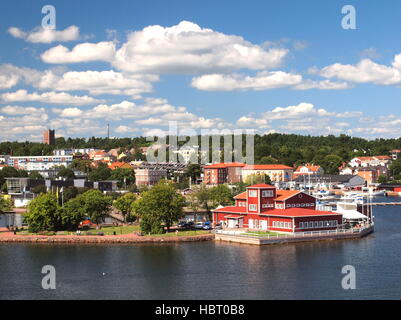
9 237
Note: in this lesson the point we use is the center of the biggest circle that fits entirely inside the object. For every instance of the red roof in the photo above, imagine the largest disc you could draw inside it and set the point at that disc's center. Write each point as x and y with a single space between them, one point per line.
383 157
224 165
285 194
260 185
267 167
241 196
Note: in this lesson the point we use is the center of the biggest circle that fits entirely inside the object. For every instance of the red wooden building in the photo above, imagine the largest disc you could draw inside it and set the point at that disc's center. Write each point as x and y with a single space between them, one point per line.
263 207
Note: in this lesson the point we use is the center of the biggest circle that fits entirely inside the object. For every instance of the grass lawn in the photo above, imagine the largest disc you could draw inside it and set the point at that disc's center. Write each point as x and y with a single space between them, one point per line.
109 230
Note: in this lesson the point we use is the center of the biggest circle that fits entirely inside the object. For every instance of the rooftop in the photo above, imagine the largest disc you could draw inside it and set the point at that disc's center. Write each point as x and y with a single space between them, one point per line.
267 167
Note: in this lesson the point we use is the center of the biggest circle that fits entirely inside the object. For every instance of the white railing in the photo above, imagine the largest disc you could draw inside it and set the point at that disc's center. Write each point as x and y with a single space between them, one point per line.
245 234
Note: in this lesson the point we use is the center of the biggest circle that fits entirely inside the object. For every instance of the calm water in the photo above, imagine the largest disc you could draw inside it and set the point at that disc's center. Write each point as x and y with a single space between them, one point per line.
211 270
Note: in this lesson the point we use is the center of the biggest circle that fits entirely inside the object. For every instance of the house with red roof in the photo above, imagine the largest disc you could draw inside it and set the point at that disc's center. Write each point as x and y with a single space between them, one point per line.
118 164
264 207
308 169
220 173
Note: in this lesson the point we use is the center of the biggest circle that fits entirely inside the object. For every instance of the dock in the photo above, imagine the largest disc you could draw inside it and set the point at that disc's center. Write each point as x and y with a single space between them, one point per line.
342 234
386 203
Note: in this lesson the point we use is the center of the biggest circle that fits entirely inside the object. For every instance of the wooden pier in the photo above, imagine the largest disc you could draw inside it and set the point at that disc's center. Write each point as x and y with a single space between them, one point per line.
386 203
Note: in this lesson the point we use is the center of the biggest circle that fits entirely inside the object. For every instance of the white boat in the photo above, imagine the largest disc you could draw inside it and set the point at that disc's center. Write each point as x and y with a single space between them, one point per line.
348 207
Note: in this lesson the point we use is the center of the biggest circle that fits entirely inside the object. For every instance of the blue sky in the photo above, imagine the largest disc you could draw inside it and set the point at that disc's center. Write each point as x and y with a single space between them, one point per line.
272 66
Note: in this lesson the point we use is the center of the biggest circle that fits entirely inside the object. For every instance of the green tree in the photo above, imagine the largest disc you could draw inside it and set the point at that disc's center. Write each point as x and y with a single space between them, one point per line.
96 205
382 179
39 189
124 205
35 175
221 195
204 197
101 173
193 171
124 176
66 173
73 213
331 163
5 204
257 178
161 204
395 167
43 213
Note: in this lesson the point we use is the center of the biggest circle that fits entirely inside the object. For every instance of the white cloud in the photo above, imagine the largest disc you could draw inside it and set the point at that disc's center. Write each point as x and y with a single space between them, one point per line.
11 75
17 110
322 85
262 81
365 71
98 82
84 52
44 35
185 48
47 97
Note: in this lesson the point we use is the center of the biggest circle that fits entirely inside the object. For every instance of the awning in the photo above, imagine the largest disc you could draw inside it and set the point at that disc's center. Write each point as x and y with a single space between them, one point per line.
352 215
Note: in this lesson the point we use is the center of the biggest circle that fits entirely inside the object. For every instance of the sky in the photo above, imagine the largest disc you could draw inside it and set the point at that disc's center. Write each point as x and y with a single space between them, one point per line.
271 66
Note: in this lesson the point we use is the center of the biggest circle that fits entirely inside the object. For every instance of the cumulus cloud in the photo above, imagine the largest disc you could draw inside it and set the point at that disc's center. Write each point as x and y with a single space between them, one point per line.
97 82
365 71
18 110
185 48
262 81
11 75
44 35
84 52
47 97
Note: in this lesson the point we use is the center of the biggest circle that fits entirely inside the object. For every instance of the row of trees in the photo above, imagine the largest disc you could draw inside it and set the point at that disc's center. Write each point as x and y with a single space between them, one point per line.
46 214
156 208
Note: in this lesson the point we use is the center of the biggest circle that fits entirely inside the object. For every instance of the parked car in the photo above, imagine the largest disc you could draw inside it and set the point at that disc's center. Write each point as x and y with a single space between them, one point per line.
185 224
199 225
207 225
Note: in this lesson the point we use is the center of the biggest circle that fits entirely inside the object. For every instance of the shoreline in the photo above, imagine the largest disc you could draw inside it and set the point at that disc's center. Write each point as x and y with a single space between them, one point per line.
118 239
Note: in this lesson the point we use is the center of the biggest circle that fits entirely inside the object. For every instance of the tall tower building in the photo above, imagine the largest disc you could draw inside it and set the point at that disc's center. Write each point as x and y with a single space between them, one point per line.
49 137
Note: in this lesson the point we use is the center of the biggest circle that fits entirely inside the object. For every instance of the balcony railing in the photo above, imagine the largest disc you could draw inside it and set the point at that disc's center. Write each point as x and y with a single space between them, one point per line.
322 233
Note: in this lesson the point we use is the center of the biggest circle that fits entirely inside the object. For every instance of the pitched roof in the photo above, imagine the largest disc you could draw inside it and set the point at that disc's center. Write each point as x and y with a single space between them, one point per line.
241 196
267 167
383 157
310 167
118 164
285 194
